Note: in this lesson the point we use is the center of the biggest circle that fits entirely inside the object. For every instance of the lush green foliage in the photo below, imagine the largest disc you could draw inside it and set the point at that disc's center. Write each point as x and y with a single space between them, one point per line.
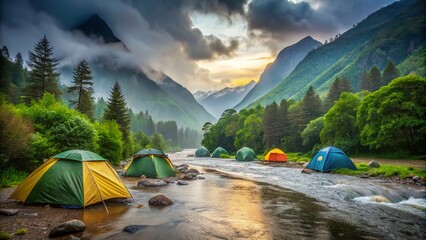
340 124
15 136
110 141
395 116
5 235
59 128
43 76
83 88
385 170
311 134
10 176
21 231
158 142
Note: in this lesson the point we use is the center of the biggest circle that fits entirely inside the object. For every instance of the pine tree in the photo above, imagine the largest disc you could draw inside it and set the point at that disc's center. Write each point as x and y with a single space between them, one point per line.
117 111
5 52
43 76
83 89
333 94
375 79
311 105
270 125
364 84
19 60
283 128
390 73
345 85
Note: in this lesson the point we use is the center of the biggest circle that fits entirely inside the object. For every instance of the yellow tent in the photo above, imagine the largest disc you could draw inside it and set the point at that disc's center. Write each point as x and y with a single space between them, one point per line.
276 155
73 178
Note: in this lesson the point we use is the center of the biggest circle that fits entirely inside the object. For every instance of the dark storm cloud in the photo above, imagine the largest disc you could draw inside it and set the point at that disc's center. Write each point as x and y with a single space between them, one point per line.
173 17
284 20
283 16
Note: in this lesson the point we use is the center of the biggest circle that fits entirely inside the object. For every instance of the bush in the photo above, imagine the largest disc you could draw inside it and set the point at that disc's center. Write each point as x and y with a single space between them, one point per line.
5 235
15 136
110 141
10 176
21 231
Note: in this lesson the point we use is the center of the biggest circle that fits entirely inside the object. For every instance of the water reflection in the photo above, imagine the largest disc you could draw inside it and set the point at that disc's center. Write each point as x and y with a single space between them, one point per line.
221 207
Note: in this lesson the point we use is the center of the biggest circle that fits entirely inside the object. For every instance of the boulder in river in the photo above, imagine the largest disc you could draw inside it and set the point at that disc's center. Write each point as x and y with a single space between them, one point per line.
193 170
133 228
151 183
182 182
189 176
9 212
69 227
160 200
373 164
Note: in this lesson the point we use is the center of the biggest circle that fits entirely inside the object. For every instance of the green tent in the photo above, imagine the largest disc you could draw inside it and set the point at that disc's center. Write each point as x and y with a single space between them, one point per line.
218 151
245 154
202 152
152 163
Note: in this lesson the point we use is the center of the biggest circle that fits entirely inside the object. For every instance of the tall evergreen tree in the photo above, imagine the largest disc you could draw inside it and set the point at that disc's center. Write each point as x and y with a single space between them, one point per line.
390 73
270 125
83 88
311 105
117 111
337 88
364 84
5 52
43 76
375 79
283 128
345 85
19 60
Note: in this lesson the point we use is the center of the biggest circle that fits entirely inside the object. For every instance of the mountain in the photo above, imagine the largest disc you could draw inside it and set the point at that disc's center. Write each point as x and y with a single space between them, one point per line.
275 72
393 33
163 98
200 95
217 102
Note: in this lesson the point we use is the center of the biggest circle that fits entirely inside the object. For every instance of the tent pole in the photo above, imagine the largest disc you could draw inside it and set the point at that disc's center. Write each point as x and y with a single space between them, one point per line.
97 187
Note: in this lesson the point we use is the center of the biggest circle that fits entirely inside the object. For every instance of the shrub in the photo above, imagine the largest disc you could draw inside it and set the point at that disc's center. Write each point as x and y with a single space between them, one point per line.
110 141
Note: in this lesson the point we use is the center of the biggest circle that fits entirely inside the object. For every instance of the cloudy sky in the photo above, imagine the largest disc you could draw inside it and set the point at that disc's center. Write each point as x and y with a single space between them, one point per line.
202 44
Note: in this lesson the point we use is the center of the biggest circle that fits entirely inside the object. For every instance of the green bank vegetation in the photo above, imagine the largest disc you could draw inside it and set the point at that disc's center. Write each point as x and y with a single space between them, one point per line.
385 170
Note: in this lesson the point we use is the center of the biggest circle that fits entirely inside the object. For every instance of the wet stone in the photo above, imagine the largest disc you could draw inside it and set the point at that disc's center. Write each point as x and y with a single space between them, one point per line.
71 226
133 228
151 183
193 171
160 200
189 176
8 212
200 177
181 182
373 164
416 178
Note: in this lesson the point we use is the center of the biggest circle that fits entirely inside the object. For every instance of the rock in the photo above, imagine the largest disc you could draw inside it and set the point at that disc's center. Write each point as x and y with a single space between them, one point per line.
181 182
200 177
373 164
72 237
151 183
193 170
71 226
133 228
189 176
169 180
379 199
128 200
160 200
416 178
9 212
308 171
305 164
364 176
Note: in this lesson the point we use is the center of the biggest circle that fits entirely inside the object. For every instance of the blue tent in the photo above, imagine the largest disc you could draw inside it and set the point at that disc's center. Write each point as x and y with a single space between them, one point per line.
330 158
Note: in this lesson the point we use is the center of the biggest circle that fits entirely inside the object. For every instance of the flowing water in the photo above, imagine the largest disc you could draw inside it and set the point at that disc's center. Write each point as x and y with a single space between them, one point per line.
247 200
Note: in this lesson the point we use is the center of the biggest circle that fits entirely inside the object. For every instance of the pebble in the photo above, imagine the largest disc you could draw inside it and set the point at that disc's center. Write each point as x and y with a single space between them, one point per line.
9 212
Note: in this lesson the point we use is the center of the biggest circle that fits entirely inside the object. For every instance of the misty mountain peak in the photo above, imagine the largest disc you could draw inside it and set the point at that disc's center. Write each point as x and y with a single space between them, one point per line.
95 26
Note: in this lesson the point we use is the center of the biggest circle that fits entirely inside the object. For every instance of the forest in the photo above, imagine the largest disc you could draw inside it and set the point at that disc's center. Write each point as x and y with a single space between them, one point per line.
387 117
40 117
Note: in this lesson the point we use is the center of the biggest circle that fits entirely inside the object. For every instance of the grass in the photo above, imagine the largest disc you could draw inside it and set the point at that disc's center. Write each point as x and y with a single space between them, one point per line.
393 155
10 176
385 170
298 157
5 235
224 155
21 231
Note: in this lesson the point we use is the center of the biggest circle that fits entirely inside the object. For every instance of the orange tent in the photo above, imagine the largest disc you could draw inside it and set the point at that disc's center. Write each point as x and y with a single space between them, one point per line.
276 155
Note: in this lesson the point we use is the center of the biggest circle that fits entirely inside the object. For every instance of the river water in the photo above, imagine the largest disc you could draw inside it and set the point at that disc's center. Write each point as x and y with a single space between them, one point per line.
248 200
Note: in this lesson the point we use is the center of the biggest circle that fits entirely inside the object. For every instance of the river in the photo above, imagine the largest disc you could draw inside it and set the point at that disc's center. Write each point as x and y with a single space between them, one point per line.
248 200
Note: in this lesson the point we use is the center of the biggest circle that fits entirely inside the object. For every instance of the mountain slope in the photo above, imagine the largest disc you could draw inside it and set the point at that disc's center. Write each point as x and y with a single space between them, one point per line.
217 102
392 33
275 72
164 99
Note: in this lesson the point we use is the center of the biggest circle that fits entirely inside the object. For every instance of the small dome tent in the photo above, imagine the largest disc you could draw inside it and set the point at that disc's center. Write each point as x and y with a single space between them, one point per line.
202 152
219 151
276 155
245 154
330 158
152 163
74 178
